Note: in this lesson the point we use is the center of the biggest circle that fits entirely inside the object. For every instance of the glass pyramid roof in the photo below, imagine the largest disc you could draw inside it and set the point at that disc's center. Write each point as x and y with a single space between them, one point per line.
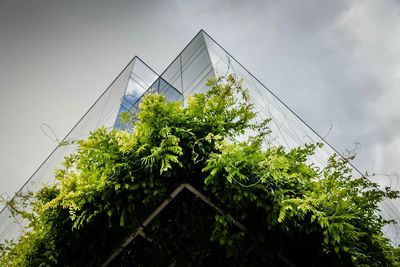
202 59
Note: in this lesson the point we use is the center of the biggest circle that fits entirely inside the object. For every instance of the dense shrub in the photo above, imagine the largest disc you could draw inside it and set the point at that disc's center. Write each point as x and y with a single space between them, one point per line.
292 212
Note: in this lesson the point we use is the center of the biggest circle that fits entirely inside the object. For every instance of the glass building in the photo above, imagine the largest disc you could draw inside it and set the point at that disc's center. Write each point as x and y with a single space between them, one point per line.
202 59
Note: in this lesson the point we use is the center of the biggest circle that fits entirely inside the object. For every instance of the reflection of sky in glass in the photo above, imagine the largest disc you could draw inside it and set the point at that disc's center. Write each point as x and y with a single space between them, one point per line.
191 69
140 79
170 92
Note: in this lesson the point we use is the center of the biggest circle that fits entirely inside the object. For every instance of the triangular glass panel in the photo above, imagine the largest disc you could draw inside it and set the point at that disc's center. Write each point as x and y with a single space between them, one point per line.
103 113
140 80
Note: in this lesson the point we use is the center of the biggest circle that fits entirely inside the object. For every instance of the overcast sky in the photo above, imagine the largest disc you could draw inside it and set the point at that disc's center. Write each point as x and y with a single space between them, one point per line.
333 61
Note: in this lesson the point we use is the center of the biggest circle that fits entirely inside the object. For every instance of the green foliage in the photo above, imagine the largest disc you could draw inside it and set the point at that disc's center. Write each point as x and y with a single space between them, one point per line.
292 211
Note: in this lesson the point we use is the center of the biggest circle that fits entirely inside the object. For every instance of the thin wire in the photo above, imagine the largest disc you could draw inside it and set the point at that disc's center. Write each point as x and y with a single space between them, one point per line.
52 134
243 185
329 131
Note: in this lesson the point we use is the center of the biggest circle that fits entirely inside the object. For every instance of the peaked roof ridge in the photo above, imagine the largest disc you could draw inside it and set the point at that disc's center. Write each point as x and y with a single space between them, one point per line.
277 98
75 125
180 53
